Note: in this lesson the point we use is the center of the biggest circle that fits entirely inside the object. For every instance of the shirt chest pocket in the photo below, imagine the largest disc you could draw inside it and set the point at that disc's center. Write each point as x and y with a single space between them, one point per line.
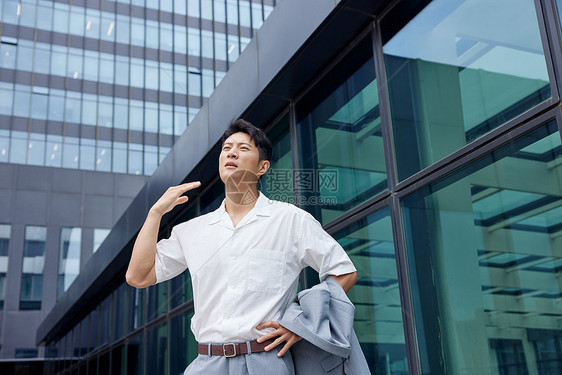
265 270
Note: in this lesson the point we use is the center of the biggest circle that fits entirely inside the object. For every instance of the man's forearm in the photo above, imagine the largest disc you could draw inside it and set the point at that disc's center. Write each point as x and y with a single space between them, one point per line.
140 273
346 280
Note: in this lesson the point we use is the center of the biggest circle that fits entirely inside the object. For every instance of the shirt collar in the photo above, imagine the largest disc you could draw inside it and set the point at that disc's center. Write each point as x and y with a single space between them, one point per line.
261 208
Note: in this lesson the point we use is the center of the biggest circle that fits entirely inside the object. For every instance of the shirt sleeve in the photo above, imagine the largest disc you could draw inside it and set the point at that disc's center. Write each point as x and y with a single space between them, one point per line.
320 251
170 259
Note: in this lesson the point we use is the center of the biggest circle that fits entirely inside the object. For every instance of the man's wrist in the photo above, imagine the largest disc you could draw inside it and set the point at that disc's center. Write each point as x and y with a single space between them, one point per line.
154 213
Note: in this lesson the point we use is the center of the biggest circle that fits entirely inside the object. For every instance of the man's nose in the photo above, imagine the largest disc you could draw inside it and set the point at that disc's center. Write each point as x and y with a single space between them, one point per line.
232 153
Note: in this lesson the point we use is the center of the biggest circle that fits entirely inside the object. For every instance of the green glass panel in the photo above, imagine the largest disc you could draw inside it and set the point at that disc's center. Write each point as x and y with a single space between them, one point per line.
157 300
180 289
118 364
378 315
457 70
135 356
484 247
183 342
341 152
277 183
157 346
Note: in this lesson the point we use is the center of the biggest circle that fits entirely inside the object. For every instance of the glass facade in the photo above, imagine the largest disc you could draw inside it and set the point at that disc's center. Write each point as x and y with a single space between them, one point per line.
69 258
4 253
339 127
430 149
109 87
32 268
458 70
486 236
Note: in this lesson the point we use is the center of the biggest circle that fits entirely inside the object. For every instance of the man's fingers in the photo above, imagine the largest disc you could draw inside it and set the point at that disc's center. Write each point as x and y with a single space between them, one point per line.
269 335
268 324
189 185
277 341
284 349
182 200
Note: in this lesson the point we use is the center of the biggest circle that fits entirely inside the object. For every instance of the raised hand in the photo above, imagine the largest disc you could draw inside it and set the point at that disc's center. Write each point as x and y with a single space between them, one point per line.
172 197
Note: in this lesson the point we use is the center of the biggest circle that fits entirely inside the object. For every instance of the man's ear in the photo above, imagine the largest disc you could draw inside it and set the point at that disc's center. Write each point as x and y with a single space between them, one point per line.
263 167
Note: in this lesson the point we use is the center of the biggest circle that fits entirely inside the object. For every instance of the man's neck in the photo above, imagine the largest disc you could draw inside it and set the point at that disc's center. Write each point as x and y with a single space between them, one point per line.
239 204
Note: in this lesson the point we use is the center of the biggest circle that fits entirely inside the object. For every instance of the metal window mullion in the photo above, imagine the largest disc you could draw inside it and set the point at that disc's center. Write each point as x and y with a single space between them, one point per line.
412 353
384 107
405 292
551 43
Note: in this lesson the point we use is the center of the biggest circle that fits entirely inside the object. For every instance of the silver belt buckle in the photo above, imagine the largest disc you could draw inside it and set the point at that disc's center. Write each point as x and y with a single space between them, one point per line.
233 349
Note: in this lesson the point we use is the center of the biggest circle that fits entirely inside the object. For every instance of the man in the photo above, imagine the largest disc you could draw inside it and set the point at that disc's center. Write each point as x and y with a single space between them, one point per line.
244 260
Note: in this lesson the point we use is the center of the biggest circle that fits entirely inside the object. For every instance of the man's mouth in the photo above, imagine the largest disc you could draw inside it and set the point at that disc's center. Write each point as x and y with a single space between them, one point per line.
230 165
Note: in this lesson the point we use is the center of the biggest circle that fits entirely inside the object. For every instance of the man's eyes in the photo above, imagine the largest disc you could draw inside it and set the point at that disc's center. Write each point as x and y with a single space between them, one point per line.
243 148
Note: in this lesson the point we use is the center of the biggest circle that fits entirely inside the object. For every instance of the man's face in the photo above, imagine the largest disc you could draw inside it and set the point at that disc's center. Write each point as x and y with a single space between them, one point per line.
240 156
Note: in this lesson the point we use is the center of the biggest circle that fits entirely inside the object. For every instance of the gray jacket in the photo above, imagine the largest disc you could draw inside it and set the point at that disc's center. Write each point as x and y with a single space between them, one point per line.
323 317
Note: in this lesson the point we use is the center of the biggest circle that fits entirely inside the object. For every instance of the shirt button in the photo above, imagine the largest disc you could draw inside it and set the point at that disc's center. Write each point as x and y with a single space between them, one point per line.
234 258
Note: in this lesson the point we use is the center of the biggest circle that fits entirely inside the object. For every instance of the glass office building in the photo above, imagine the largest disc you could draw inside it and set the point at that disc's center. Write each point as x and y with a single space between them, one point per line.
93 95
425 137
108 86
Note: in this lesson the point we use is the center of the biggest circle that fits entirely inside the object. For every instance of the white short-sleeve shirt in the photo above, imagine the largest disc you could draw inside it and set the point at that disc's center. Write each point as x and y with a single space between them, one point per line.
247 275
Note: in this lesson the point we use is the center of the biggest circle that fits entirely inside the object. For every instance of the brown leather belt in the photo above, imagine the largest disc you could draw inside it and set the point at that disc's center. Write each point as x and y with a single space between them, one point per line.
232 349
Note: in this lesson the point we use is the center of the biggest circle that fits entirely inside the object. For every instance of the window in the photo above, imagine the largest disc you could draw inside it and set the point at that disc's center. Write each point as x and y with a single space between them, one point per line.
58 60
105 111
92 24
60 18
39 100
36 149
150 159
45 10
4 252
69 258
483 257
378 314
119 157
277 183
70 152
7 56
157 300
458 70
99 237
53 155
135 159
72 107
27 352
56 105
4 145
22 101
103 162
339 126
157 344
87 153
91 65
18 147
32 268
183 343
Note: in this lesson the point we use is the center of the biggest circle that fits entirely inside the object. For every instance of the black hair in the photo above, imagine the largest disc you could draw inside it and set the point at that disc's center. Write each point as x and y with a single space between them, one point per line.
257 136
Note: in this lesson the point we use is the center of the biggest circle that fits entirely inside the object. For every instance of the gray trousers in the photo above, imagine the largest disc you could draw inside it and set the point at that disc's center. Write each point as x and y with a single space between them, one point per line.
247 364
